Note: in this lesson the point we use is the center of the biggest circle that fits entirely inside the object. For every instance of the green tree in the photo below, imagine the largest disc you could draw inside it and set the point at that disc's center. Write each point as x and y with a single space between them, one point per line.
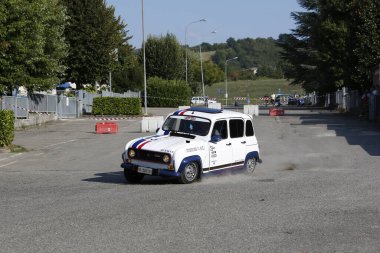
211 74
164 57
364 41
260 52
32 45
97 41
335 44
128 79
128 75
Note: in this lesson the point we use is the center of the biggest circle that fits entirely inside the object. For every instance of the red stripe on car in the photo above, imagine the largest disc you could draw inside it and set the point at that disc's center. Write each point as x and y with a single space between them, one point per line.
142 144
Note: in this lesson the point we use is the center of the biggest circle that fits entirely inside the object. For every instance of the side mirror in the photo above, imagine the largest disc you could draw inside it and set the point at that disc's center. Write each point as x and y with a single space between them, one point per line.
158 129
216 138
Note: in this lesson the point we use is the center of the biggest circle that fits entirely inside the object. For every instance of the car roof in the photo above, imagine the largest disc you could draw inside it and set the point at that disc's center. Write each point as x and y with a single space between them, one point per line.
209 113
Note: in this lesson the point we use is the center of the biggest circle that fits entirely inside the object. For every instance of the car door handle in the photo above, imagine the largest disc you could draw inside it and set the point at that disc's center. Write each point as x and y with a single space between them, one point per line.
243 142
228 144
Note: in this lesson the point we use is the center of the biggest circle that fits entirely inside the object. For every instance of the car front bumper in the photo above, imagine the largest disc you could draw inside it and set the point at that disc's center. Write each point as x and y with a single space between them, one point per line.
155 171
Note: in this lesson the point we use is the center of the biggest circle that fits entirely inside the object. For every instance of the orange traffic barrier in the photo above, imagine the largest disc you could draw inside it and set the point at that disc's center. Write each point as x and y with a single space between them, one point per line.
276 111
106 127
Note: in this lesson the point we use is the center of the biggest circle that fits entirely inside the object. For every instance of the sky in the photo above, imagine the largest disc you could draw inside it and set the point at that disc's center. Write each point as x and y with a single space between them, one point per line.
229 18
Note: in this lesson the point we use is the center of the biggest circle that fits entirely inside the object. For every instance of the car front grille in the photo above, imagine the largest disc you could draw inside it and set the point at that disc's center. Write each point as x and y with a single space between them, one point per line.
150 156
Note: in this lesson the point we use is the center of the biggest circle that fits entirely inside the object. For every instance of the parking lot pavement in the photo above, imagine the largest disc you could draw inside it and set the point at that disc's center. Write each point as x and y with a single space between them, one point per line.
318 190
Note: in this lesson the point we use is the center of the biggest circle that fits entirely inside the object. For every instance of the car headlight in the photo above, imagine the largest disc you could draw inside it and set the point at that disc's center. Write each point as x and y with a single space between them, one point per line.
131 153
166 158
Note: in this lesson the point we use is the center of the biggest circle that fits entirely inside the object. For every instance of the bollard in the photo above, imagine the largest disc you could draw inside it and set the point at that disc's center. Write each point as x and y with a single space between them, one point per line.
276 111
150 124
106 127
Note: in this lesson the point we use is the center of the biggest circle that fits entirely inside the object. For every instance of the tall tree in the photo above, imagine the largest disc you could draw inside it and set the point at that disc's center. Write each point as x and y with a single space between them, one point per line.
164 57
335 44
95 37
364 41
31 44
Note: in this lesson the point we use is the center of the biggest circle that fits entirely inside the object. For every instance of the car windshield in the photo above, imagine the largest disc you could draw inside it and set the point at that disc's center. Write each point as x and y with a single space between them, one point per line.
187 124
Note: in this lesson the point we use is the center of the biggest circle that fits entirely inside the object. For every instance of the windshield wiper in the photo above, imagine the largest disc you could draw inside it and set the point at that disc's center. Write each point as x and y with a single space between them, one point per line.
182 134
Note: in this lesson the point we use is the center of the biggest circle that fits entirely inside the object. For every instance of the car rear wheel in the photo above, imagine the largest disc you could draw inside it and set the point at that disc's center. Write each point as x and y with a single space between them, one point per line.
133 176
251 165
189 173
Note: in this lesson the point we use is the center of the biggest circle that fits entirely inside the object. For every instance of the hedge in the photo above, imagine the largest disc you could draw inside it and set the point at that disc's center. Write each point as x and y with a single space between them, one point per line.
116 106
7 127
167 93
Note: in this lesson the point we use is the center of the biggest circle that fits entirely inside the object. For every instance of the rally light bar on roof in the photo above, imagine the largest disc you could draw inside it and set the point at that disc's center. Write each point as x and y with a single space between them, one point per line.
203 109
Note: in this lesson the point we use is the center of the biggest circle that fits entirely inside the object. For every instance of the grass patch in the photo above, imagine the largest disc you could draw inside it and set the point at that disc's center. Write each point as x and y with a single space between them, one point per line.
18 149
256 89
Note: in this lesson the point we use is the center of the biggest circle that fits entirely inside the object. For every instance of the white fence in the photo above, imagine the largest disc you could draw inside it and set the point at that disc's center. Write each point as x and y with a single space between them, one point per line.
63 106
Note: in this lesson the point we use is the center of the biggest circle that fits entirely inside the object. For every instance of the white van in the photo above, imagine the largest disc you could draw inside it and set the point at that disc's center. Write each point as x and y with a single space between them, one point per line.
201 101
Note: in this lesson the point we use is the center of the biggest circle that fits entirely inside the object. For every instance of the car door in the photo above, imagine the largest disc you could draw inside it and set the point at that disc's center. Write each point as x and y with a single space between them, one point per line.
237 140
220 152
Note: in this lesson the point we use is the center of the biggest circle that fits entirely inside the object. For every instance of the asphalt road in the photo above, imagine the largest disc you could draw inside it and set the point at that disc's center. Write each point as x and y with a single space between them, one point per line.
318 190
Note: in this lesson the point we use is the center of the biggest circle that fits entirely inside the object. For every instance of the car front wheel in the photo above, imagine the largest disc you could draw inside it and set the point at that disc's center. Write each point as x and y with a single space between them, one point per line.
251 165
189 173
133 177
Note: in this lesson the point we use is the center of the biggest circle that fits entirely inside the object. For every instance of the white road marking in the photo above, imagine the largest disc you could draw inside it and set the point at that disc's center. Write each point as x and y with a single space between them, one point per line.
59 143
7 164
12 156
39 154
15 155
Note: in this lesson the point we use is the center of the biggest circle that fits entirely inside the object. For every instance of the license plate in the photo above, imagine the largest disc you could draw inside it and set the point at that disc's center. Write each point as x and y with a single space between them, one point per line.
145 170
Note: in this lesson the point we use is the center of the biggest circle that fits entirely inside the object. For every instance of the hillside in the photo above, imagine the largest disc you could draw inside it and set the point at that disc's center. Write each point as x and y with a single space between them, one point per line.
254 88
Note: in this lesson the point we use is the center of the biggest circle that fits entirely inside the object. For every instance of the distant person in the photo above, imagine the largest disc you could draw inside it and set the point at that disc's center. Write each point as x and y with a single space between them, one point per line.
266 99
277 101
273 97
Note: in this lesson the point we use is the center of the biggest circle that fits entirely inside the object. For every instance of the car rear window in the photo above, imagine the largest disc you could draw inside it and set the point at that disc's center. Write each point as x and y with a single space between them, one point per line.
236 128
249 128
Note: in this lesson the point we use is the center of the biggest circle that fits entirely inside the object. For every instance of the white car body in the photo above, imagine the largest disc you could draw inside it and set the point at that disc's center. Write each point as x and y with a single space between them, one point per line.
209 139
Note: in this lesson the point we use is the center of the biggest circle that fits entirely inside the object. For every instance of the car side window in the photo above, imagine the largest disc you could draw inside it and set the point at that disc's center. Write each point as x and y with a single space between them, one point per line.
236 128
220 128
249 128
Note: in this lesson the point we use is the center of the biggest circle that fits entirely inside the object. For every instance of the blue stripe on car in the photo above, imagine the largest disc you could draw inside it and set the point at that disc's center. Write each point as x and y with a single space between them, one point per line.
134 145
177 112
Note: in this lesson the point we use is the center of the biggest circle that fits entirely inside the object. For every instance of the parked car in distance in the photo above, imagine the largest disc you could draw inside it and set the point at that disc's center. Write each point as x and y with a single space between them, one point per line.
201 101
197 101
292 100
191 143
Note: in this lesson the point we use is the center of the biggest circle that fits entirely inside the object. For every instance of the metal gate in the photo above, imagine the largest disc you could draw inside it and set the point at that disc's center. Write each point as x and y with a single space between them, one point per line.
67 107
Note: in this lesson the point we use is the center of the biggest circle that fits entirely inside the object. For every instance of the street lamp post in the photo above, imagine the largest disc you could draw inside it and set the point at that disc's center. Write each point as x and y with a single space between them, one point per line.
143 45
200 56
225 72
187 26
203 83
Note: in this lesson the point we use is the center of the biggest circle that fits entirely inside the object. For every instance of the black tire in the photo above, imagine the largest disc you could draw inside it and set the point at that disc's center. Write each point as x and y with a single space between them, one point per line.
190 173
133 177
251 165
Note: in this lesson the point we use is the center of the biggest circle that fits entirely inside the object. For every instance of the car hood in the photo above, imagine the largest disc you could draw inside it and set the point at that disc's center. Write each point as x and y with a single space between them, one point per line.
165 144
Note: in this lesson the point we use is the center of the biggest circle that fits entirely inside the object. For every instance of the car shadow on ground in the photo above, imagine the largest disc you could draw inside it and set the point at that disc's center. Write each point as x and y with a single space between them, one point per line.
117 177
355 130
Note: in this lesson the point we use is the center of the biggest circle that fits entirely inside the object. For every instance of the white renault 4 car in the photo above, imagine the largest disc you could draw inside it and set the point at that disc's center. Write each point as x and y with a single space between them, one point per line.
191 143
